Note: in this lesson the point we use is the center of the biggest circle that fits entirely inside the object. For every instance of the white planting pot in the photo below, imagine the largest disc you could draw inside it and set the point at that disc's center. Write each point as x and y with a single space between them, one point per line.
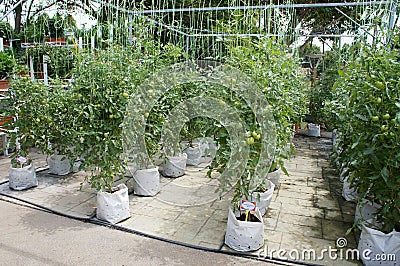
366 211
314 130
194 155
375 243
146 182
23 178
350 194
113 207
274 176
244 236
59 165
263 199
175 166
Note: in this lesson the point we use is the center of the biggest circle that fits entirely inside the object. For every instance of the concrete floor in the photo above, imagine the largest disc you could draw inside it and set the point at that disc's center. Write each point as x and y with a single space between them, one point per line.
307 210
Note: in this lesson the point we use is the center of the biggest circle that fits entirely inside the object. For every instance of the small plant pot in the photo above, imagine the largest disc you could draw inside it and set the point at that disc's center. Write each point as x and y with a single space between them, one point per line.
314 130
194 155
175 166
23 178
263 199
274 176
113 207
244 235
59 165
378 243
146 182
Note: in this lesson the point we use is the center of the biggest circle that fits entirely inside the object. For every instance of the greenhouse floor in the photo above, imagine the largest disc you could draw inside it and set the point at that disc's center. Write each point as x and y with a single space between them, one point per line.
307 211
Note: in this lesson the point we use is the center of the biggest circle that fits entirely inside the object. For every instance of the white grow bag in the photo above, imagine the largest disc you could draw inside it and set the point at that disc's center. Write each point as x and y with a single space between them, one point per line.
175 166
59 165
314 130
274 176
263 199
193 154
244 236
113 207
350 194
22 178
146 182
375 245
366 213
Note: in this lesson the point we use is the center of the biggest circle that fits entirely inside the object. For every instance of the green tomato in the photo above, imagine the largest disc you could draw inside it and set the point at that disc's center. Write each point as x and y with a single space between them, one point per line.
111 116
384 128
375 118
394 120
37 120
250 141
386 116
125 95
254 134
379 85
79 95
80 128
378 100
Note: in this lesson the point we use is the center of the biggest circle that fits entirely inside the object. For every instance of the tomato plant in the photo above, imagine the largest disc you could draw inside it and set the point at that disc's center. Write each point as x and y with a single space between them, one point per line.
368 91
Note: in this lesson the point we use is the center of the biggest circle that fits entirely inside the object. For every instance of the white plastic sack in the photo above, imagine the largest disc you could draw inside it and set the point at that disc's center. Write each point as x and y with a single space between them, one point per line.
366 213
59 165
23 178
344 174
175 166
314 130
274 176
244 236
375 245
113 207
193 155
348 193
146 182
263 199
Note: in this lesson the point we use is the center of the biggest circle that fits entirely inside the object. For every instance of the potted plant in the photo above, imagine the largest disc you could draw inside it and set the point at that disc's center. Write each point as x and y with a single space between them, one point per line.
100 91
60 131
27 130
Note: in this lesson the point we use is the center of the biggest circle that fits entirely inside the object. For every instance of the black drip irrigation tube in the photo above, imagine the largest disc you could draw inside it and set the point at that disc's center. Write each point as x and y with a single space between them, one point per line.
93 220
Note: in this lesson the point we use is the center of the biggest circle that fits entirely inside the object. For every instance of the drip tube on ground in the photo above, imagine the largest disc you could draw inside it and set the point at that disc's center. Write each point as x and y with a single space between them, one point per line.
93 220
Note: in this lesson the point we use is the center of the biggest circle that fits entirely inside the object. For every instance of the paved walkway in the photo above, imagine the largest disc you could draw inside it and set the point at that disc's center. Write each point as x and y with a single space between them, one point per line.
32 237
307 210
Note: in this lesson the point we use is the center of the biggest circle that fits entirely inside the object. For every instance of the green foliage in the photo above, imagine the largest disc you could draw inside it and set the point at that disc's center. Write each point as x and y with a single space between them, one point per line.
60 59
6 30
7 64
25 104
369 125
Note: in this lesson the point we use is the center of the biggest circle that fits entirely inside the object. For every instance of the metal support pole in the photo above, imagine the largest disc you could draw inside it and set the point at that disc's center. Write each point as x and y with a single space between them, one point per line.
45 72
1 45
32 70
92 41
130 29
80 43
391 23
187 45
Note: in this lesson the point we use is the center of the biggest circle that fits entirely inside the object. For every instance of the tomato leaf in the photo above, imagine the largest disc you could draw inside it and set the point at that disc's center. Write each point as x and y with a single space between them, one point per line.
363 118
